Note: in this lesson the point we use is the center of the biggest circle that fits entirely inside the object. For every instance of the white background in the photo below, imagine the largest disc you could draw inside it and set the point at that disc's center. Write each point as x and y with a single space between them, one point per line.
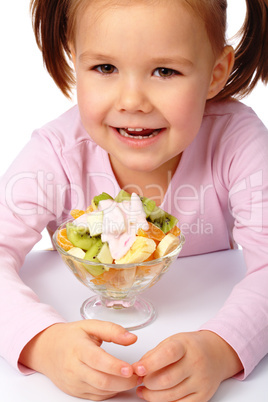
29 98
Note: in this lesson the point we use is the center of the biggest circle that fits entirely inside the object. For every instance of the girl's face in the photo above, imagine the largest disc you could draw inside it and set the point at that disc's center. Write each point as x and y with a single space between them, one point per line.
143 73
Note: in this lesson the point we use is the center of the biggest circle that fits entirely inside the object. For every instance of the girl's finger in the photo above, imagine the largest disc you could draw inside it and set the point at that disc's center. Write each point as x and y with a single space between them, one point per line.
98 359
95 357
108 332
100 383
166 353
167 377
181 392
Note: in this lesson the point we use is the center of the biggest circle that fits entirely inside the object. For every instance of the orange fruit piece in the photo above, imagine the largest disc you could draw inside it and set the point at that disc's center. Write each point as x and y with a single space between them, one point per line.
150 258
76 213
154 232
90 209
104 278
63 241
175 231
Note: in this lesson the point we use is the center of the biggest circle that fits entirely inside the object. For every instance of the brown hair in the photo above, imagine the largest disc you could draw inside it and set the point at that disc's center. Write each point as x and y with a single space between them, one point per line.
50 28
54 25
251 54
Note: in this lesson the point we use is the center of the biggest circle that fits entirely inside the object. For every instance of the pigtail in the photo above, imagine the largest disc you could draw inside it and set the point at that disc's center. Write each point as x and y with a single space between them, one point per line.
49 18
251 55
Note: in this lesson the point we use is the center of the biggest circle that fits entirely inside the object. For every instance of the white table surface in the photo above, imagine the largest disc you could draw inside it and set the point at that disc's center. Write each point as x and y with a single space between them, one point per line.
190 293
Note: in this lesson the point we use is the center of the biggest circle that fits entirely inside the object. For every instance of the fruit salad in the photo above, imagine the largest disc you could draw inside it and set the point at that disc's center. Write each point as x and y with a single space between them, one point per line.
128 229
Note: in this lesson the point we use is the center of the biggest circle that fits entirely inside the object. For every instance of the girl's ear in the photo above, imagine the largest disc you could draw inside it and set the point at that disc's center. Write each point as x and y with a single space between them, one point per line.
221 71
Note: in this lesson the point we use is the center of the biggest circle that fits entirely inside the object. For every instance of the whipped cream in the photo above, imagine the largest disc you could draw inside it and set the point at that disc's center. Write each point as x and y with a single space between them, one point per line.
121 222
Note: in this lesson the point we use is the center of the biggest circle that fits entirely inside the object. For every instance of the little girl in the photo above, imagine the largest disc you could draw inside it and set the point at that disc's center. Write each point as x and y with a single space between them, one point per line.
156 114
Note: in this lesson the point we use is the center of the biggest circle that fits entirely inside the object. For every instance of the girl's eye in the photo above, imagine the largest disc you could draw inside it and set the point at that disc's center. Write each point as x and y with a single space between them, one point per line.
105 68
164 72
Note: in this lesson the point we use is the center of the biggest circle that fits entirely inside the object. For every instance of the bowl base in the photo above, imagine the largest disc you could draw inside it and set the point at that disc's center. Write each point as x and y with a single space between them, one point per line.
138 315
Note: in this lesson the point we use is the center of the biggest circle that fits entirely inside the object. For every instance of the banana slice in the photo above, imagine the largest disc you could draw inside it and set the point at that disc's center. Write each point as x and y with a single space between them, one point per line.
140 250
166 245
77 252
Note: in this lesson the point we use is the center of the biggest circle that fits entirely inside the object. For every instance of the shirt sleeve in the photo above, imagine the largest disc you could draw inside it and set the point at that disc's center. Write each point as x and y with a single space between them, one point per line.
31 196
243 320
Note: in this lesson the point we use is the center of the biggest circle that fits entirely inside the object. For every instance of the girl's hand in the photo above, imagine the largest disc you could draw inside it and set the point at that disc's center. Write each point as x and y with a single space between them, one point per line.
186 367
70 355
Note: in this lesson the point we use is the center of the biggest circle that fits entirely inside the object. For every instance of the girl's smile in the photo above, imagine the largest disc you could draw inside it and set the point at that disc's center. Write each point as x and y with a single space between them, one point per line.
138 137
138 133
144 72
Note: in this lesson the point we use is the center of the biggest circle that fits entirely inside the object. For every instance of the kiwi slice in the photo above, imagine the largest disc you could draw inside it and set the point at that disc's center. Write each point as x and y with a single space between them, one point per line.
157 215
169 222
162 219
122 196
148 205
91 255
101 197
79 237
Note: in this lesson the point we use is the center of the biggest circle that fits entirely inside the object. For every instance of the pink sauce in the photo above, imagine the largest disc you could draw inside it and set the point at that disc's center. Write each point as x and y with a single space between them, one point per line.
121 222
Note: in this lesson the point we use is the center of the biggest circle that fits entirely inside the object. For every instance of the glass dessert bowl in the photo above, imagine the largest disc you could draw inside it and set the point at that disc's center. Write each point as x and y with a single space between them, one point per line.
117 286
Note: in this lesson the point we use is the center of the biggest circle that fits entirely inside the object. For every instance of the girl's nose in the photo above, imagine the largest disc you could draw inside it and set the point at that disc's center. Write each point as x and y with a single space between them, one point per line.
132 98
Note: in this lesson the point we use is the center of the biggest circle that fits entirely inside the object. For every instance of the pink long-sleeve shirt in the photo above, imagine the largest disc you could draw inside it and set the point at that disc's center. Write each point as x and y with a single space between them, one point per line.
219 192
